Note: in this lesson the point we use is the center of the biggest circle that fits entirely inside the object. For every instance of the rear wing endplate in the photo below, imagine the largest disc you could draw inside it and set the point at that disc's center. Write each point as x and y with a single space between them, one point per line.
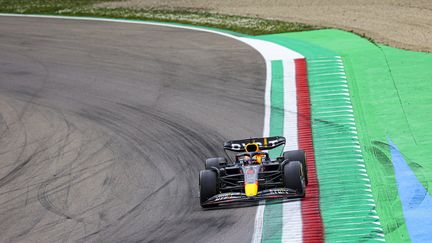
263 143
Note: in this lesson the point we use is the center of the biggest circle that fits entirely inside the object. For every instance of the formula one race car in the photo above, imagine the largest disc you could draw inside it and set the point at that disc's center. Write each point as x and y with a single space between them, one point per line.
252 175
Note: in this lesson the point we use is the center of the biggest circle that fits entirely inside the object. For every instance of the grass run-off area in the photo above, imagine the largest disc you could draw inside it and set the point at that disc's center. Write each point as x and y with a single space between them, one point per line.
245 25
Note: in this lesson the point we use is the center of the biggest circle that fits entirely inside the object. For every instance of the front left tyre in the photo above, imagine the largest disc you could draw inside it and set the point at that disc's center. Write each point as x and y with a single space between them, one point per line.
208 186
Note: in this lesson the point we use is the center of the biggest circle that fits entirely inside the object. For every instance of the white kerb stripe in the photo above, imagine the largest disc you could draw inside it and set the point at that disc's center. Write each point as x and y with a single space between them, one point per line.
272 51
292 226
290 105
292 223
267 99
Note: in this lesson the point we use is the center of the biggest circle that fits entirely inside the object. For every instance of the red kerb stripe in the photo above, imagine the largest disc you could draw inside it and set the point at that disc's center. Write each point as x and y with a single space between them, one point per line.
311 215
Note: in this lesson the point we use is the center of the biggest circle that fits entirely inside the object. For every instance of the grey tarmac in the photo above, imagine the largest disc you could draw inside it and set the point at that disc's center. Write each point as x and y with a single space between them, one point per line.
105 126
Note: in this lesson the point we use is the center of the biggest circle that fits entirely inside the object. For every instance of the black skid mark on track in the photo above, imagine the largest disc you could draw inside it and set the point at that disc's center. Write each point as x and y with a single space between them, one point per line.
145 199
3 126
207 144
46 203
197 143
14 172
18 170
131 213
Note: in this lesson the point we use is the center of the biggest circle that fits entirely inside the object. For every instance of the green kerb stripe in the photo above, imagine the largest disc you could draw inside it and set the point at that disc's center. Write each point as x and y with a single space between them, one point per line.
277 103
347 204
272 225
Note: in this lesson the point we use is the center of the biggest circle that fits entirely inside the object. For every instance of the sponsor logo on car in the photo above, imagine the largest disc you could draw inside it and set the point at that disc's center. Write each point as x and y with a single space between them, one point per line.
278 191
241 146
222 197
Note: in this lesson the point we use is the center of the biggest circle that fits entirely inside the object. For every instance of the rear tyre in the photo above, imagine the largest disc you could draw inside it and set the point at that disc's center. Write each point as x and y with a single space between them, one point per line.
215 162
298 155
208 186
293 177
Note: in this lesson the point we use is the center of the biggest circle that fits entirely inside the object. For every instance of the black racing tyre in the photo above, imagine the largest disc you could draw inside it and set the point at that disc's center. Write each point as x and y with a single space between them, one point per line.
214 162
298 155
208 186
293 177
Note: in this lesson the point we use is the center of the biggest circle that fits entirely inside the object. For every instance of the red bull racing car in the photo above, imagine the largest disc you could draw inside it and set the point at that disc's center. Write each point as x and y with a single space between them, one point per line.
251 174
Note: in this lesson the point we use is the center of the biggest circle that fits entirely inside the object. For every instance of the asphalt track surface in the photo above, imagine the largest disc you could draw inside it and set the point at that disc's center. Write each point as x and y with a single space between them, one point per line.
105 126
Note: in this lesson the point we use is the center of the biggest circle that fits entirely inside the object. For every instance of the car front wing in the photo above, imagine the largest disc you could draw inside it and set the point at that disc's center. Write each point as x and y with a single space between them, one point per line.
237 197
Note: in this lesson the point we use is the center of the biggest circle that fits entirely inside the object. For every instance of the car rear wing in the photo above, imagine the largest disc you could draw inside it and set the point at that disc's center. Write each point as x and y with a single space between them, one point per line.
263 143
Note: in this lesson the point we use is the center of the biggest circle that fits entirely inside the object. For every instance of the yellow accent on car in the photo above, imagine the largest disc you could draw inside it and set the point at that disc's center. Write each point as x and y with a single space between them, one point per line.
251 189
259 158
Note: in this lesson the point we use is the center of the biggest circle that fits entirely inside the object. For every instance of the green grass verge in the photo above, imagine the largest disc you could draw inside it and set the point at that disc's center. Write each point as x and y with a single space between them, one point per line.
245 25
390 92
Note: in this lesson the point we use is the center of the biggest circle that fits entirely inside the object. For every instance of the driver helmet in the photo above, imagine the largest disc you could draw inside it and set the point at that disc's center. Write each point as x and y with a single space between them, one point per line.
257 159
252 160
